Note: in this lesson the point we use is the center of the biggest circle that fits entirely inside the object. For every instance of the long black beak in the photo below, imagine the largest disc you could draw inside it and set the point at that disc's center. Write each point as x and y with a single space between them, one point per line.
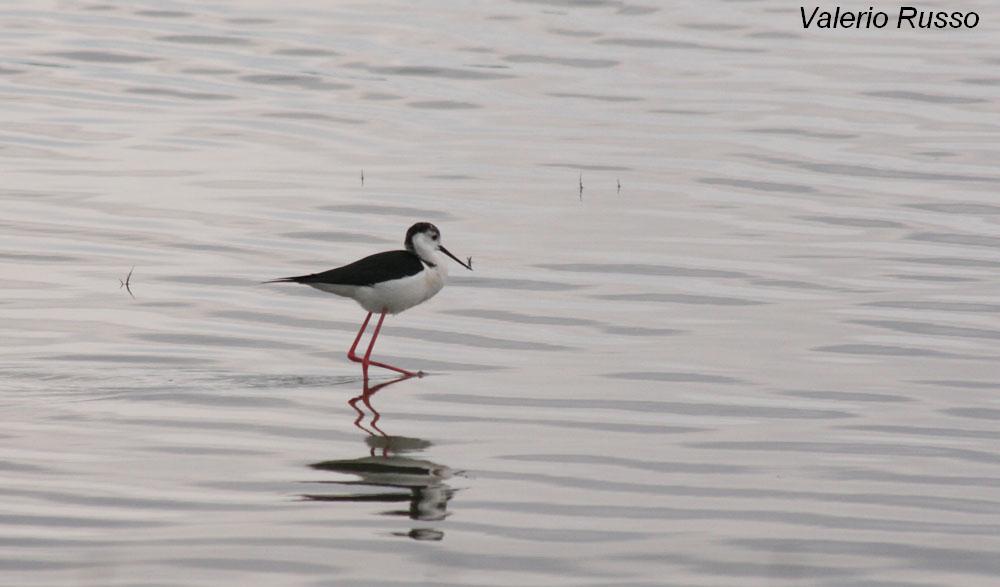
447 252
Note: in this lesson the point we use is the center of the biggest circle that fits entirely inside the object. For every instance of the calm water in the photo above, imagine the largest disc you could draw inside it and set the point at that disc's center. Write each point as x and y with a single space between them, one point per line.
770 357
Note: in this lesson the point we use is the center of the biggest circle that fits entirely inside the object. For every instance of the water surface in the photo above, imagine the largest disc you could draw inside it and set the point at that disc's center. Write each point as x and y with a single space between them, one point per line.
734 316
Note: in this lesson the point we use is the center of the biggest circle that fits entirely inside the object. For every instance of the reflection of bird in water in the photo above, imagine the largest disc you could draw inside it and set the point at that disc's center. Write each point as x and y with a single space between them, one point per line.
424 482
417 481
388 282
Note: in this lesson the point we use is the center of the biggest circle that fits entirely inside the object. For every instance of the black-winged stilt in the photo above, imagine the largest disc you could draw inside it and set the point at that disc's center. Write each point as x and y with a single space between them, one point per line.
387 283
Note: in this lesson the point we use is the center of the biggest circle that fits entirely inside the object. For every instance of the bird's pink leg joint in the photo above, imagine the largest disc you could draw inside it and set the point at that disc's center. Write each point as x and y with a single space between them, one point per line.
366 361
350 354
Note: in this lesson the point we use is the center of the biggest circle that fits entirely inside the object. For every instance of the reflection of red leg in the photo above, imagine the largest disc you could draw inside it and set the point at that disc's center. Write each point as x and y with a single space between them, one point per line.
375 415
353 402
365 397
371 345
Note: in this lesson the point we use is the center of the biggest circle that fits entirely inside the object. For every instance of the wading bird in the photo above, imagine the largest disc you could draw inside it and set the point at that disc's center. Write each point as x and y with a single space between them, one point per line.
388 283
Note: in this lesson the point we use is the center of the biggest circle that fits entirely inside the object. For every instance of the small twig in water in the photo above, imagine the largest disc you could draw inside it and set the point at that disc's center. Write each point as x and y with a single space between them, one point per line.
362 177
469 262
619 187
127 282
581 185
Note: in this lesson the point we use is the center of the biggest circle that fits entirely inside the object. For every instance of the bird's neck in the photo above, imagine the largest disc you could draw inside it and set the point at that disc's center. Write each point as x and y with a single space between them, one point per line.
436 265
427 255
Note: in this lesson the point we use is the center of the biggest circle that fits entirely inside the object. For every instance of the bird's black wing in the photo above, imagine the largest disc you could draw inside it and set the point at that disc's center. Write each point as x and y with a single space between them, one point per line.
372 269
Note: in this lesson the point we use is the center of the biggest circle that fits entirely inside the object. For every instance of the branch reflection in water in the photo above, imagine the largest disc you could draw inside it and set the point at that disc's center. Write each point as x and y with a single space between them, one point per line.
417 481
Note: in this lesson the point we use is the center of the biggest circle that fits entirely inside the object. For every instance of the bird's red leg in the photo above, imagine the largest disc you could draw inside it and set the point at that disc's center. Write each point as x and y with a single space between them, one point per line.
350 354
367 360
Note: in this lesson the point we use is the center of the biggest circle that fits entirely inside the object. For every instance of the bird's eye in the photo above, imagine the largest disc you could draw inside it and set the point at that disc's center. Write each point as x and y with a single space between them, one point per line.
435 237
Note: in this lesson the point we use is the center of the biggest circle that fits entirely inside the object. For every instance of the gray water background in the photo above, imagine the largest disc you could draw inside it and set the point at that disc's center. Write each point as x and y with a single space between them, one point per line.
759 347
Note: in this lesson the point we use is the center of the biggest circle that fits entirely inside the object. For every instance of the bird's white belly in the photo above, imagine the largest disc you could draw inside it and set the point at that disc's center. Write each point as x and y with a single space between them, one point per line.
392 296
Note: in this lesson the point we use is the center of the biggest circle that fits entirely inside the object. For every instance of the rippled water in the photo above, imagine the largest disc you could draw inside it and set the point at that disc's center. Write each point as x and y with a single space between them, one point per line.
734 320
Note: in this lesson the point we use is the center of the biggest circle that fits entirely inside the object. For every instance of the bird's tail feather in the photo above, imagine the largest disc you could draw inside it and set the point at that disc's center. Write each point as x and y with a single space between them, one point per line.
282 280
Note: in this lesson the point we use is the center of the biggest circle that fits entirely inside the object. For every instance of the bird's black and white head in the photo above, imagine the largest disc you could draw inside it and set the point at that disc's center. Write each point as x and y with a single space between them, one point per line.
424 240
